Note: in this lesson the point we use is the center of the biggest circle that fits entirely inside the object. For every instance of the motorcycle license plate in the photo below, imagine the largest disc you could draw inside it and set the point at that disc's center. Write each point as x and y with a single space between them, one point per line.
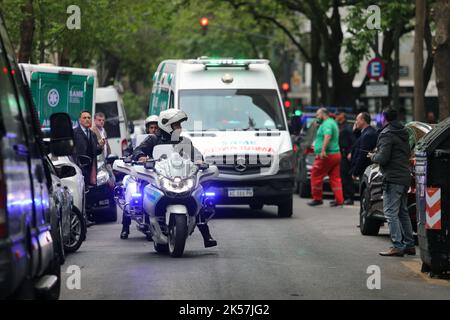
241 192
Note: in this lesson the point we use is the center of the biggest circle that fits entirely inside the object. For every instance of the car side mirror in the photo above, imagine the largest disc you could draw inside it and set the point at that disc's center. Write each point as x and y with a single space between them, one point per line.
111 158
61 135
66 172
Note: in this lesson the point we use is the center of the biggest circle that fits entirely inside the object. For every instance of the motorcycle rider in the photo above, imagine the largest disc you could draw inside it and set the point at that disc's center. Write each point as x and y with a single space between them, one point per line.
151 127
169 123
151 124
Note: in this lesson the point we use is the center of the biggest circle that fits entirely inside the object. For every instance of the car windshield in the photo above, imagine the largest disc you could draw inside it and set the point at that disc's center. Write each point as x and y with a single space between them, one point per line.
238 109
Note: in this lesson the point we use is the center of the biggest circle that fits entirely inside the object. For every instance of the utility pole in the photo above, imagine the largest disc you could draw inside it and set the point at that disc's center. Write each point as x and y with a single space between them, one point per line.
419 100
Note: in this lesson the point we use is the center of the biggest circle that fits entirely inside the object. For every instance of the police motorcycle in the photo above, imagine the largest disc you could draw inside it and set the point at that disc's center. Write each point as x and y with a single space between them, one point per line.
166 196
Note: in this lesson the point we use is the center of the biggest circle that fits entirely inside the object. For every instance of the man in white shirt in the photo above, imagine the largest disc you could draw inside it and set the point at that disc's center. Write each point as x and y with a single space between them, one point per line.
100 132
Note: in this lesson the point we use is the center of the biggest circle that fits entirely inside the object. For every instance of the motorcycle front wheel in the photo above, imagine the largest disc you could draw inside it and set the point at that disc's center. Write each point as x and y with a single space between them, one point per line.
178 232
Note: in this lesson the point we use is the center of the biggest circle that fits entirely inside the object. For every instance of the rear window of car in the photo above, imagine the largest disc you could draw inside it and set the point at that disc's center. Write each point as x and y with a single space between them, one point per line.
112 123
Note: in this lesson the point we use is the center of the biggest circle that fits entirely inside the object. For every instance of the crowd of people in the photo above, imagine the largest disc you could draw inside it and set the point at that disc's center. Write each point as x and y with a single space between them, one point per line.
343 153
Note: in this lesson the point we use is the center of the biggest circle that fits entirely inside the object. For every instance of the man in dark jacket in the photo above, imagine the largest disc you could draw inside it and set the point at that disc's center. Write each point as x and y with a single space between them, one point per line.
169 124
86 144
366 143
392 155
346 141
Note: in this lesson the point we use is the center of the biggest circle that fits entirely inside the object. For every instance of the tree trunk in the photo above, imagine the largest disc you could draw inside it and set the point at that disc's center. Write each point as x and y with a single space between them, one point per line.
315 65
27 27
342 92
441 16
41 32
396 68
112 64
64 58
428 69
419 100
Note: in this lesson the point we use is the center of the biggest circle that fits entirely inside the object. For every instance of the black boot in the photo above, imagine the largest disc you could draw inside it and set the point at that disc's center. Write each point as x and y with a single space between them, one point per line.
208 240
126 221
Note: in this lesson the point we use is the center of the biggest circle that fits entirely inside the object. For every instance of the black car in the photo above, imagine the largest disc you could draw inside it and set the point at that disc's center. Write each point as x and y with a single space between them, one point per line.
30 234
371 213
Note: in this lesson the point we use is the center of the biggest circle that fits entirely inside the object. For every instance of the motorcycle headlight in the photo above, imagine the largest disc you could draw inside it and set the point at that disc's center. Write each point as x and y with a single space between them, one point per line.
102 178
177 185
286 162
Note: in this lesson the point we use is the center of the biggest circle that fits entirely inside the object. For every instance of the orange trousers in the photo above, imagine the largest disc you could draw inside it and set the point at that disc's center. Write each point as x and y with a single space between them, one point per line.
329 166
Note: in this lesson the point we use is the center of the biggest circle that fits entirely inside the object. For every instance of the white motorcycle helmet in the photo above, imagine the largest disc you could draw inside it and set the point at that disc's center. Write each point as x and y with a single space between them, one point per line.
150 119
169 117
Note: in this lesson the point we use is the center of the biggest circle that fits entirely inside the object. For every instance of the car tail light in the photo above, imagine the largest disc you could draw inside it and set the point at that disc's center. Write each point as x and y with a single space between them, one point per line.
124 145
295 148
3 229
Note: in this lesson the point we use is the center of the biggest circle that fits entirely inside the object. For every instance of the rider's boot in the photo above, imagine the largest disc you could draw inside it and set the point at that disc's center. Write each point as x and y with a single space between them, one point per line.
207 238
126 221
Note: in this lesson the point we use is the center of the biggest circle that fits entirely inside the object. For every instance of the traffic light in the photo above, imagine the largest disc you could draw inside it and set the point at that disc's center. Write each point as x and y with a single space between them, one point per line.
287 104
204 22
285 88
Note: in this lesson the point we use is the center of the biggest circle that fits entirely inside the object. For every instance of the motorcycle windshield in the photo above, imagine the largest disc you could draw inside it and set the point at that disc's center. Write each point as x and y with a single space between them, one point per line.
172 165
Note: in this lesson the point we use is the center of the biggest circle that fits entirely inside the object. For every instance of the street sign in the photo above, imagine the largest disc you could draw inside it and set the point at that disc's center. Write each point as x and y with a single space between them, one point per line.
377 89
375 69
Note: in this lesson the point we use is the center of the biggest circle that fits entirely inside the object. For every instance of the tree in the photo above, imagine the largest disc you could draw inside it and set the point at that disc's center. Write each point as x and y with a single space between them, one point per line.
419 101
441 45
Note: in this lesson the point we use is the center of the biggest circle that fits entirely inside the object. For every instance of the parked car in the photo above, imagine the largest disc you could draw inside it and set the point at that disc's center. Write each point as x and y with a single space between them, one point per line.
72 180
304 158
371 213
30 255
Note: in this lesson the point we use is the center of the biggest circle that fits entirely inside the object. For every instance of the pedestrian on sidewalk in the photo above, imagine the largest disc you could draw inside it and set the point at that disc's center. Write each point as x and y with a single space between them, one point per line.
327 161
346 141
393 153
366 143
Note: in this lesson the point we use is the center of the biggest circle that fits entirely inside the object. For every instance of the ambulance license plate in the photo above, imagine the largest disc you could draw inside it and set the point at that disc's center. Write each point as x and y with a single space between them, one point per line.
240 193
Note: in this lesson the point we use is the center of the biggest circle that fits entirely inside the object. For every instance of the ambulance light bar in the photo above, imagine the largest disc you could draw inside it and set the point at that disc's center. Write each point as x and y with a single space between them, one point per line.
227 63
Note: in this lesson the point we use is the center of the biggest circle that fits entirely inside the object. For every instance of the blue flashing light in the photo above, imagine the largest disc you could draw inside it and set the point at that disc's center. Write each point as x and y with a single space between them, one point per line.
210 194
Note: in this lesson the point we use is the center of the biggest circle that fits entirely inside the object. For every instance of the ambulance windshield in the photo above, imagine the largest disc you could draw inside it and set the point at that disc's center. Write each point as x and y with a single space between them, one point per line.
236 109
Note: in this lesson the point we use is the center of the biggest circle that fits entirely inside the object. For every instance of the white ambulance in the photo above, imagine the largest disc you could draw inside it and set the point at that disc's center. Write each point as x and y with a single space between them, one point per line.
237 121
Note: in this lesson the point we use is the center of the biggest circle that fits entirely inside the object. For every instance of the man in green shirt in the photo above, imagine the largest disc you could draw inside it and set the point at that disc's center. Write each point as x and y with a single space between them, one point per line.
327 161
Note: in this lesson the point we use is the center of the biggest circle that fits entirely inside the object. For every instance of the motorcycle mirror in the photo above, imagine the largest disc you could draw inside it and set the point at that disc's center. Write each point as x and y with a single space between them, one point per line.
128 160
203 166
149 164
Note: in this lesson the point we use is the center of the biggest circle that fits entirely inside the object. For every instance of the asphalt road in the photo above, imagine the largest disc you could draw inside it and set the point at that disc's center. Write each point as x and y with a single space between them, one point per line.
319 253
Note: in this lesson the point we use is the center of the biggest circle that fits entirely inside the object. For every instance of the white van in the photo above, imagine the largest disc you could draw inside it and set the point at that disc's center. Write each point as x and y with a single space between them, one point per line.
108 101
237 121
